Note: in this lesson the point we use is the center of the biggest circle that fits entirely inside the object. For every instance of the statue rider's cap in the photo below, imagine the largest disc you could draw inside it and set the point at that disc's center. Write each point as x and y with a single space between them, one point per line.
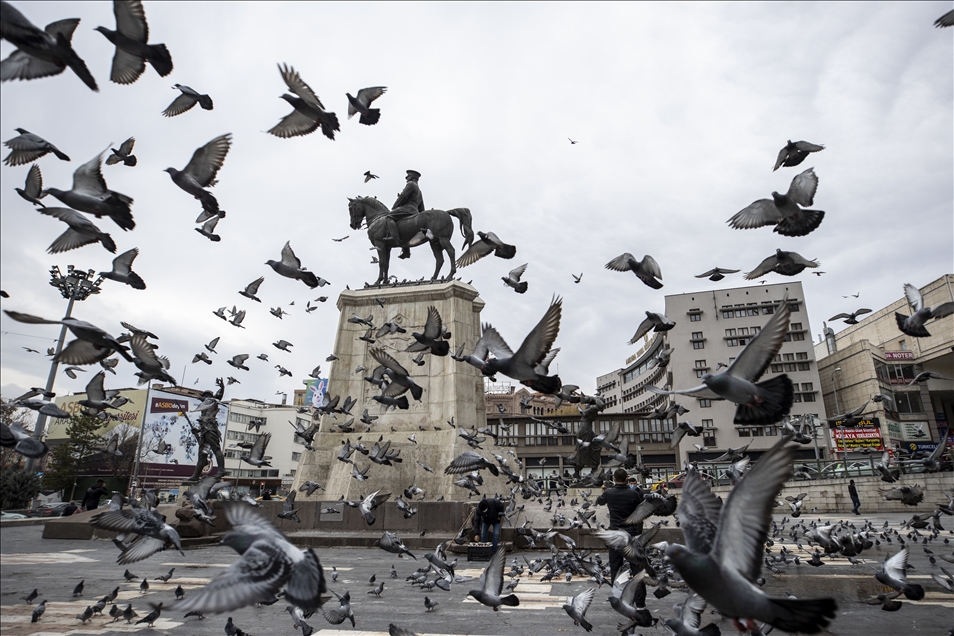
413 174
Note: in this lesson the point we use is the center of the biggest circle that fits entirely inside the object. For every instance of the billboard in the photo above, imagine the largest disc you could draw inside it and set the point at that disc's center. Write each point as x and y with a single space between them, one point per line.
909 431
169 450
130 413
315 392
851 438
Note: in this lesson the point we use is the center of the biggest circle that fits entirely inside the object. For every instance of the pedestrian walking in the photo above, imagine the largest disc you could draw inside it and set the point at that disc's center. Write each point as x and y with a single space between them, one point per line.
853 493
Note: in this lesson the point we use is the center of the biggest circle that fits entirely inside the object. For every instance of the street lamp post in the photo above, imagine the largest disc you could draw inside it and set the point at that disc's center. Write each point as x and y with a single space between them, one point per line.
834 387
75 285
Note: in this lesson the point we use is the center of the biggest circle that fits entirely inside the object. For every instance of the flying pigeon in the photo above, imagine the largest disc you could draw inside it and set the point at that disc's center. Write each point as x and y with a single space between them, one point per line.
513 281
341 613
784 263
201 171
40 53
188 99
21 441
256 455
368 176
92 343
576 607
131 38
852 318
491 584
208 229
400 378
653 322
123 155
149 364
362 104
212 345
239 361
785 211
914 325
33 187
763 403
723 554
893 573
152 530
283 345
252 288
370 503
28 147
290 267
81 231
122 270
91 195
489 243
433 338
646 270
521 366
717 273
793 154
309 112
237 319
288 509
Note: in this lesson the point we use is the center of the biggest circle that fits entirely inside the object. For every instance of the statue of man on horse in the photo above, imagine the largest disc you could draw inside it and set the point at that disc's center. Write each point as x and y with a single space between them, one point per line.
408 224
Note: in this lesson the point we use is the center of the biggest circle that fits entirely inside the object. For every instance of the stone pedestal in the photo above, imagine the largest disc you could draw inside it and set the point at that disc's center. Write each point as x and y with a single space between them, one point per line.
451 390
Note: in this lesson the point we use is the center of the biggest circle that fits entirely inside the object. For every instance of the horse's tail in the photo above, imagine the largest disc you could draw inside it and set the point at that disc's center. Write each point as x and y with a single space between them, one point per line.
463 215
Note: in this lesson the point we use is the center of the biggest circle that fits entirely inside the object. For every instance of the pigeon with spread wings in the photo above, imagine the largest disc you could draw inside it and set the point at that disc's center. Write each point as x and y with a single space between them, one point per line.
914 325
122 270
646 270
131 39
489 243
309 112
764 403
782 262
785 211
290 267
362 104
200 174
91 195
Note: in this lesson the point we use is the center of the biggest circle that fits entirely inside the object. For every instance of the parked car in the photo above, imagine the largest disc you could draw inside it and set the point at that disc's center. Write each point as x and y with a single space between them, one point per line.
52 510
6 516
852 469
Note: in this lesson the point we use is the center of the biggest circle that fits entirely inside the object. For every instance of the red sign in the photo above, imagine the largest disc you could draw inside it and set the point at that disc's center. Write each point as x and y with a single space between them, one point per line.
849 439
168 405
899 355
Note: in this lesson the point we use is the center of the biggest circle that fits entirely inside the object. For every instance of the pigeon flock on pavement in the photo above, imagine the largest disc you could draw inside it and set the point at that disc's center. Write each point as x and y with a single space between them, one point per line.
727 543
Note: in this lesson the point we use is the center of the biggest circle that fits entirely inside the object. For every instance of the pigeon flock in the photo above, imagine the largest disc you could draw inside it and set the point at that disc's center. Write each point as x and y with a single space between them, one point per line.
727 543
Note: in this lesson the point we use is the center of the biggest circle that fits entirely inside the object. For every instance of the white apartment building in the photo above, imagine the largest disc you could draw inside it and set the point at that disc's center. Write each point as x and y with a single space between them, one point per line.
248 419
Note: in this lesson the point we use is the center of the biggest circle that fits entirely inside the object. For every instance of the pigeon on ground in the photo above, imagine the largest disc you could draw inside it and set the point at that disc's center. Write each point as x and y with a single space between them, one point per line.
179 592
522 365
489 243
189 98
429 604
309 112
29 147
151 527
92 343
785 211
576 608
722 557
793 154
717 273
513 281
81 231
123 155
122 270
78 590
133 50
267 563
39 52
290 267
91 195
885 600
852 318
491 584
653 322
914 325
893 573
129 576
368 176
32 189
165 577
39 609
200 174
377 590
362 104
646 270
784 263
29 598
129 614
151 617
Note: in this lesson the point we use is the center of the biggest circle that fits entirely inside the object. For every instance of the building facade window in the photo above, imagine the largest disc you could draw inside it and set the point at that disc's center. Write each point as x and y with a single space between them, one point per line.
908 402
701 364
695 317
697 335
296 457
730 332
807 386
732 342
705 403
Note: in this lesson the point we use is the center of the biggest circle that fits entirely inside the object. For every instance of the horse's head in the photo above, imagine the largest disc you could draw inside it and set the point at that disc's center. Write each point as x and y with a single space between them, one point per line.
356 209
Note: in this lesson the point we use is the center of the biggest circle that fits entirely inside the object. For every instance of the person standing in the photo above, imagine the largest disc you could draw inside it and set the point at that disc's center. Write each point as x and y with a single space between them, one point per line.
853 493
489 511
93 493
622 501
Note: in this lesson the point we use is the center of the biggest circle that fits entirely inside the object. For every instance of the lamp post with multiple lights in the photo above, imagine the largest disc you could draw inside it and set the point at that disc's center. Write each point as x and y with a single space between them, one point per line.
76 285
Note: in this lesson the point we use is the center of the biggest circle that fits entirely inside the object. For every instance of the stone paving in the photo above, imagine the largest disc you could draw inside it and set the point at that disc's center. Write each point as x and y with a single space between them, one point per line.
56 566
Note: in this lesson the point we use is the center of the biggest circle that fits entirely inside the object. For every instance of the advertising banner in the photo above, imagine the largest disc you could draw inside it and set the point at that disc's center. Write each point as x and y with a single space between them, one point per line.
169 449
856 438
908 431
130 413
315 392
899 355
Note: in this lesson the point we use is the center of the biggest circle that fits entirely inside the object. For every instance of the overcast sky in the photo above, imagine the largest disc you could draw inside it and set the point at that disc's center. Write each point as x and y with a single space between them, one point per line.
679 111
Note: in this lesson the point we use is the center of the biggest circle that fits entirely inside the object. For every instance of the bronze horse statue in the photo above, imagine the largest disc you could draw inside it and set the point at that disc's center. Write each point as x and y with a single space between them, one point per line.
430 226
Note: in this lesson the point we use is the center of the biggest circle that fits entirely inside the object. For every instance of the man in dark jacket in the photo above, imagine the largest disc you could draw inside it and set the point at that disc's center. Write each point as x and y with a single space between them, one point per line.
489 511
70 509
93 493
853 493
621 500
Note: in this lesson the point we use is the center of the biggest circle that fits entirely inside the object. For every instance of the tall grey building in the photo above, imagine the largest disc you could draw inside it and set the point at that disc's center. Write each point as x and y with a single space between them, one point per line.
712 327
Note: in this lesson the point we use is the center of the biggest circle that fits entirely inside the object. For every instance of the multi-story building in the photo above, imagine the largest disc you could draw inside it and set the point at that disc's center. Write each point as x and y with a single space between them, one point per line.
875 359
249 419
712 327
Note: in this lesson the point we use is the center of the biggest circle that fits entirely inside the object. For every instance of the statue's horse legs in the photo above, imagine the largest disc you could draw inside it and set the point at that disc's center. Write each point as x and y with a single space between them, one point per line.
438 246
384 259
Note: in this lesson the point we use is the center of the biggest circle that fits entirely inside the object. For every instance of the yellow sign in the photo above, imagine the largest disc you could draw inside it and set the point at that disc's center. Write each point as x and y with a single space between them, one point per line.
130 413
